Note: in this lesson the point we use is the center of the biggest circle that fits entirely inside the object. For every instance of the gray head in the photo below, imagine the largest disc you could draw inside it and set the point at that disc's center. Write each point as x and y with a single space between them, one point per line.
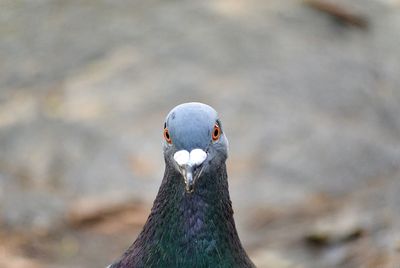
193 136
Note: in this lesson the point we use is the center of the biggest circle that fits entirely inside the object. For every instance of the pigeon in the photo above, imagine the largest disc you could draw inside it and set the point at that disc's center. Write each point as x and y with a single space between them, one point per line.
191 222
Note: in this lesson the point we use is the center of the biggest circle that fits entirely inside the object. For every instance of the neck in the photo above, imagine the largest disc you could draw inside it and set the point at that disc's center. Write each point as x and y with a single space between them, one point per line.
191 229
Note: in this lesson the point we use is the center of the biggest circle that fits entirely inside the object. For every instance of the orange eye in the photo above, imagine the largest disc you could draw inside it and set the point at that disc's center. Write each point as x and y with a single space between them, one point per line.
167 137
216 132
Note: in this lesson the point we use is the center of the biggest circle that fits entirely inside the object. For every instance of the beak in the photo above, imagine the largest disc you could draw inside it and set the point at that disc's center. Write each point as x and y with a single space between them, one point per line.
190 176
190 166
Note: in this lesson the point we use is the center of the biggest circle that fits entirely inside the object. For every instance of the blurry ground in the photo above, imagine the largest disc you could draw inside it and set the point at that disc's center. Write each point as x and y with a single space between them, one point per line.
310 104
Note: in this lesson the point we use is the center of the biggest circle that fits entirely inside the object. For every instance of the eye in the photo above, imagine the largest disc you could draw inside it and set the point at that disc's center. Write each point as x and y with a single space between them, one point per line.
167 137
216 132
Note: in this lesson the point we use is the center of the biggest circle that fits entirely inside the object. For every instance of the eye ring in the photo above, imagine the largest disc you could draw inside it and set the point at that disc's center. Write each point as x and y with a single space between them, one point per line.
216 133
167 137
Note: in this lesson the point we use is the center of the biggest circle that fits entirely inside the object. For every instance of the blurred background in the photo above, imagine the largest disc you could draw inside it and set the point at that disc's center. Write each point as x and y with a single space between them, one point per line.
308 92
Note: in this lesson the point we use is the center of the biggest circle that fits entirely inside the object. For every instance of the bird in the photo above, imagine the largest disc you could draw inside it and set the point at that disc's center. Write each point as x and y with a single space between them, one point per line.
191 222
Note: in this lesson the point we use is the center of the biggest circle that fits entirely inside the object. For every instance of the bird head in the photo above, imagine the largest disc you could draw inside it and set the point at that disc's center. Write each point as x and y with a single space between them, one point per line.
194 141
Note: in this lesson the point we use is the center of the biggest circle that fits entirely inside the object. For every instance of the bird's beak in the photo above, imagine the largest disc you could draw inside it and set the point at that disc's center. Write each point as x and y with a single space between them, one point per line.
190 166
187 173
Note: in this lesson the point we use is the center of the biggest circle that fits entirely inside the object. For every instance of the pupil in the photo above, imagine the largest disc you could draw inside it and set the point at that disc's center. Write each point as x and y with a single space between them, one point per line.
216 132
167 135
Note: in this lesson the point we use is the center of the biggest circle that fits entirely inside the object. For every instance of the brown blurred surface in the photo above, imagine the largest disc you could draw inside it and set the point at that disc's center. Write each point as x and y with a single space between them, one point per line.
310 105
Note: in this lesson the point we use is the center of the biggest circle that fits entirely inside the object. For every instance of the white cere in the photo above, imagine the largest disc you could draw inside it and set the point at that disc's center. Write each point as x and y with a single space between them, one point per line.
195 158
182 157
